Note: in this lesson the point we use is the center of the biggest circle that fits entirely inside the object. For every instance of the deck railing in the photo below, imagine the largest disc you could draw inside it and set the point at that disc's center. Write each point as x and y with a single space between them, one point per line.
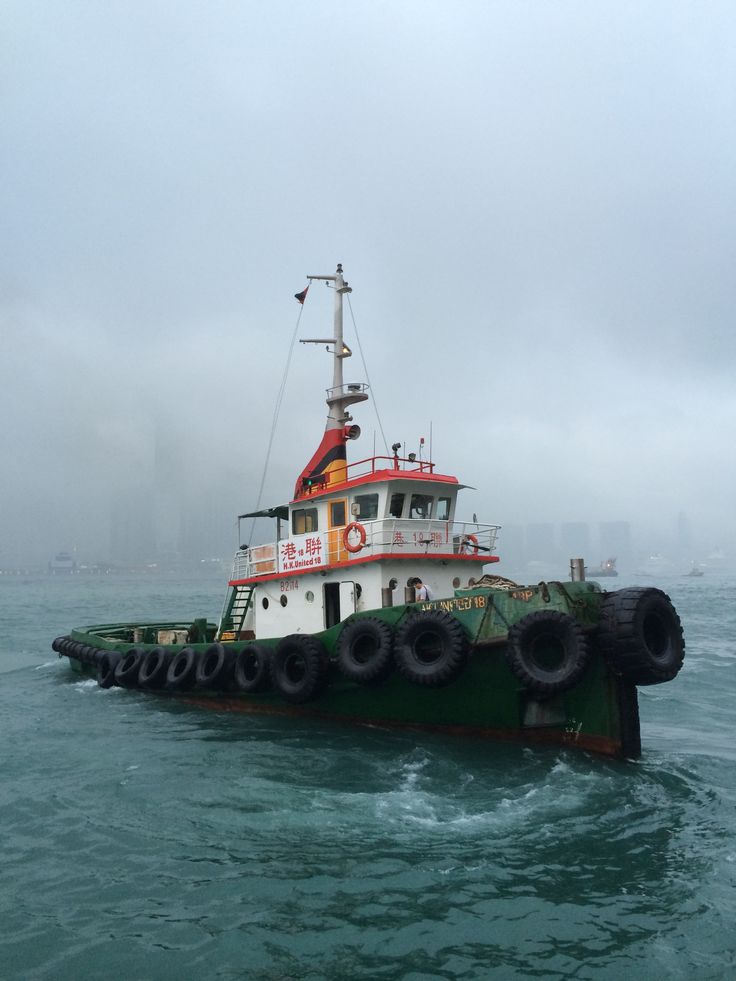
384 536
371 464
365 468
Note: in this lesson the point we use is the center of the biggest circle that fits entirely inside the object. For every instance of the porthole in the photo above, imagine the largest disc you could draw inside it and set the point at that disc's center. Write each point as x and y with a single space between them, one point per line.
284 600
358 590
309 596
456 582
471 583
264 602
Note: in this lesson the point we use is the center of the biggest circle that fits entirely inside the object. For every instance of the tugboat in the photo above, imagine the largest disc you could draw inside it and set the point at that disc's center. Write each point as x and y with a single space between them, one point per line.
371 606
607 569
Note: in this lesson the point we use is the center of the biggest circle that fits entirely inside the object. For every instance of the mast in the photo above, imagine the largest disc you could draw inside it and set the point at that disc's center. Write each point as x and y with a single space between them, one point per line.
329 461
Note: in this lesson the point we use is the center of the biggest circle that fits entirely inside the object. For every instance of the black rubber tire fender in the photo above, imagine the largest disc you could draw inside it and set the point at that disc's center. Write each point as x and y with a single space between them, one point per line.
182 671
548 651
430 648
65 646
152 673
365 650
106 668
299 668
641 635
86 654
215 668
128 667
59 644
253 668
97 653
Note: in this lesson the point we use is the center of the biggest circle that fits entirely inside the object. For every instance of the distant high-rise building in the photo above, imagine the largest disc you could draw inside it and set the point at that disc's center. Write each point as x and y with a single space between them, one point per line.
684 535
575 540
132 536
510 546
540 542
204 533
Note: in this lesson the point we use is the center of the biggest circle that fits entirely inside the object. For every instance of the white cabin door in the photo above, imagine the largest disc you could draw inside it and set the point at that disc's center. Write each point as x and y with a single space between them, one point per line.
339 601
347 599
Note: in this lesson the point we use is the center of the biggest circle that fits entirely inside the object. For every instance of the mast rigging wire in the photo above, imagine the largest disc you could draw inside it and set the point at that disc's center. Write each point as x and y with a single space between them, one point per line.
280 398
274 421
367 377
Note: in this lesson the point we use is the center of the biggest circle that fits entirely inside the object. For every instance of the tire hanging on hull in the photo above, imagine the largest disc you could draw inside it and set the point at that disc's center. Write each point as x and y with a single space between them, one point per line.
641 635
106 668
215 668
153 670
430 648
299 668
548 651
365 650
182 671
253 668
128 667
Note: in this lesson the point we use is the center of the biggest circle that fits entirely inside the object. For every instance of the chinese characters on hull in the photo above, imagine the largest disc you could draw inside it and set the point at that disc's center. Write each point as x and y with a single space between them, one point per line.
423 539
303 552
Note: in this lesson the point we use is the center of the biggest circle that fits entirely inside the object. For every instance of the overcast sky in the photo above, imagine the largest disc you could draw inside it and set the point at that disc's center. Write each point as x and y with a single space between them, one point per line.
533 201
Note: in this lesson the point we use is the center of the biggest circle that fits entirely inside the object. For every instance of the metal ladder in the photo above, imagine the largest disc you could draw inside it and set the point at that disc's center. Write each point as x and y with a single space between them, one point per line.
237 605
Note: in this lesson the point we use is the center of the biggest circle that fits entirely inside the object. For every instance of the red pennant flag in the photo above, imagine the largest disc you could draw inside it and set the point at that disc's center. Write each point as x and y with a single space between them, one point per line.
301 296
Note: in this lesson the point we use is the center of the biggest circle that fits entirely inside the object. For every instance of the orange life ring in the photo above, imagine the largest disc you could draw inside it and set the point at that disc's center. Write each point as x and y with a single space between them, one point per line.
353 526
469 544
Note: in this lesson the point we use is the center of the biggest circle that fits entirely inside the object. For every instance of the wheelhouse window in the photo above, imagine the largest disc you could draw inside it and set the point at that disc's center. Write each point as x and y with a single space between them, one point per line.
443 508
303 520
421 506
367 505
337 514
396 505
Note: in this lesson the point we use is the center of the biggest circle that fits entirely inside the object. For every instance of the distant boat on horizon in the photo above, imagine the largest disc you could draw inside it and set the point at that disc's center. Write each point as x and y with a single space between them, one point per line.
606 569
695 572
62 564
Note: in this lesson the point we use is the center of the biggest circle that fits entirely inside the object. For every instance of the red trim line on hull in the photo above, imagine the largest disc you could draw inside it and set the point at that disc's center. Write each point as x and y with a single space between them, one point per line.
383 557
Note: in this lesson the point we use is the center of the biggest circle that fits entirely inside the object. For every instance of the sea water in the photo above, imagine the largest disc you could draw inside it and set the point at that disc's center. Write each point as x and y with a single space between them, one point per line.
146 839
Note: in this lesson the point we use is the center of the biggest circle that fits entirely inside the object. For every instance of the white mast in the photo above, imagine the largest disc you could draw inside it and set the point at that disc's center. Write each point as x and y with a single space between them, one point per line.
340 396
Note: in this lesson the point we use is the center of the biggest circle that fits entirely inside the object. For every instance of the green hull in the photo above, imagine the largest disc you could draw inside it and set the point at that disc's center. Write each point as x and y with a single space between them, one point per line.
507 689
